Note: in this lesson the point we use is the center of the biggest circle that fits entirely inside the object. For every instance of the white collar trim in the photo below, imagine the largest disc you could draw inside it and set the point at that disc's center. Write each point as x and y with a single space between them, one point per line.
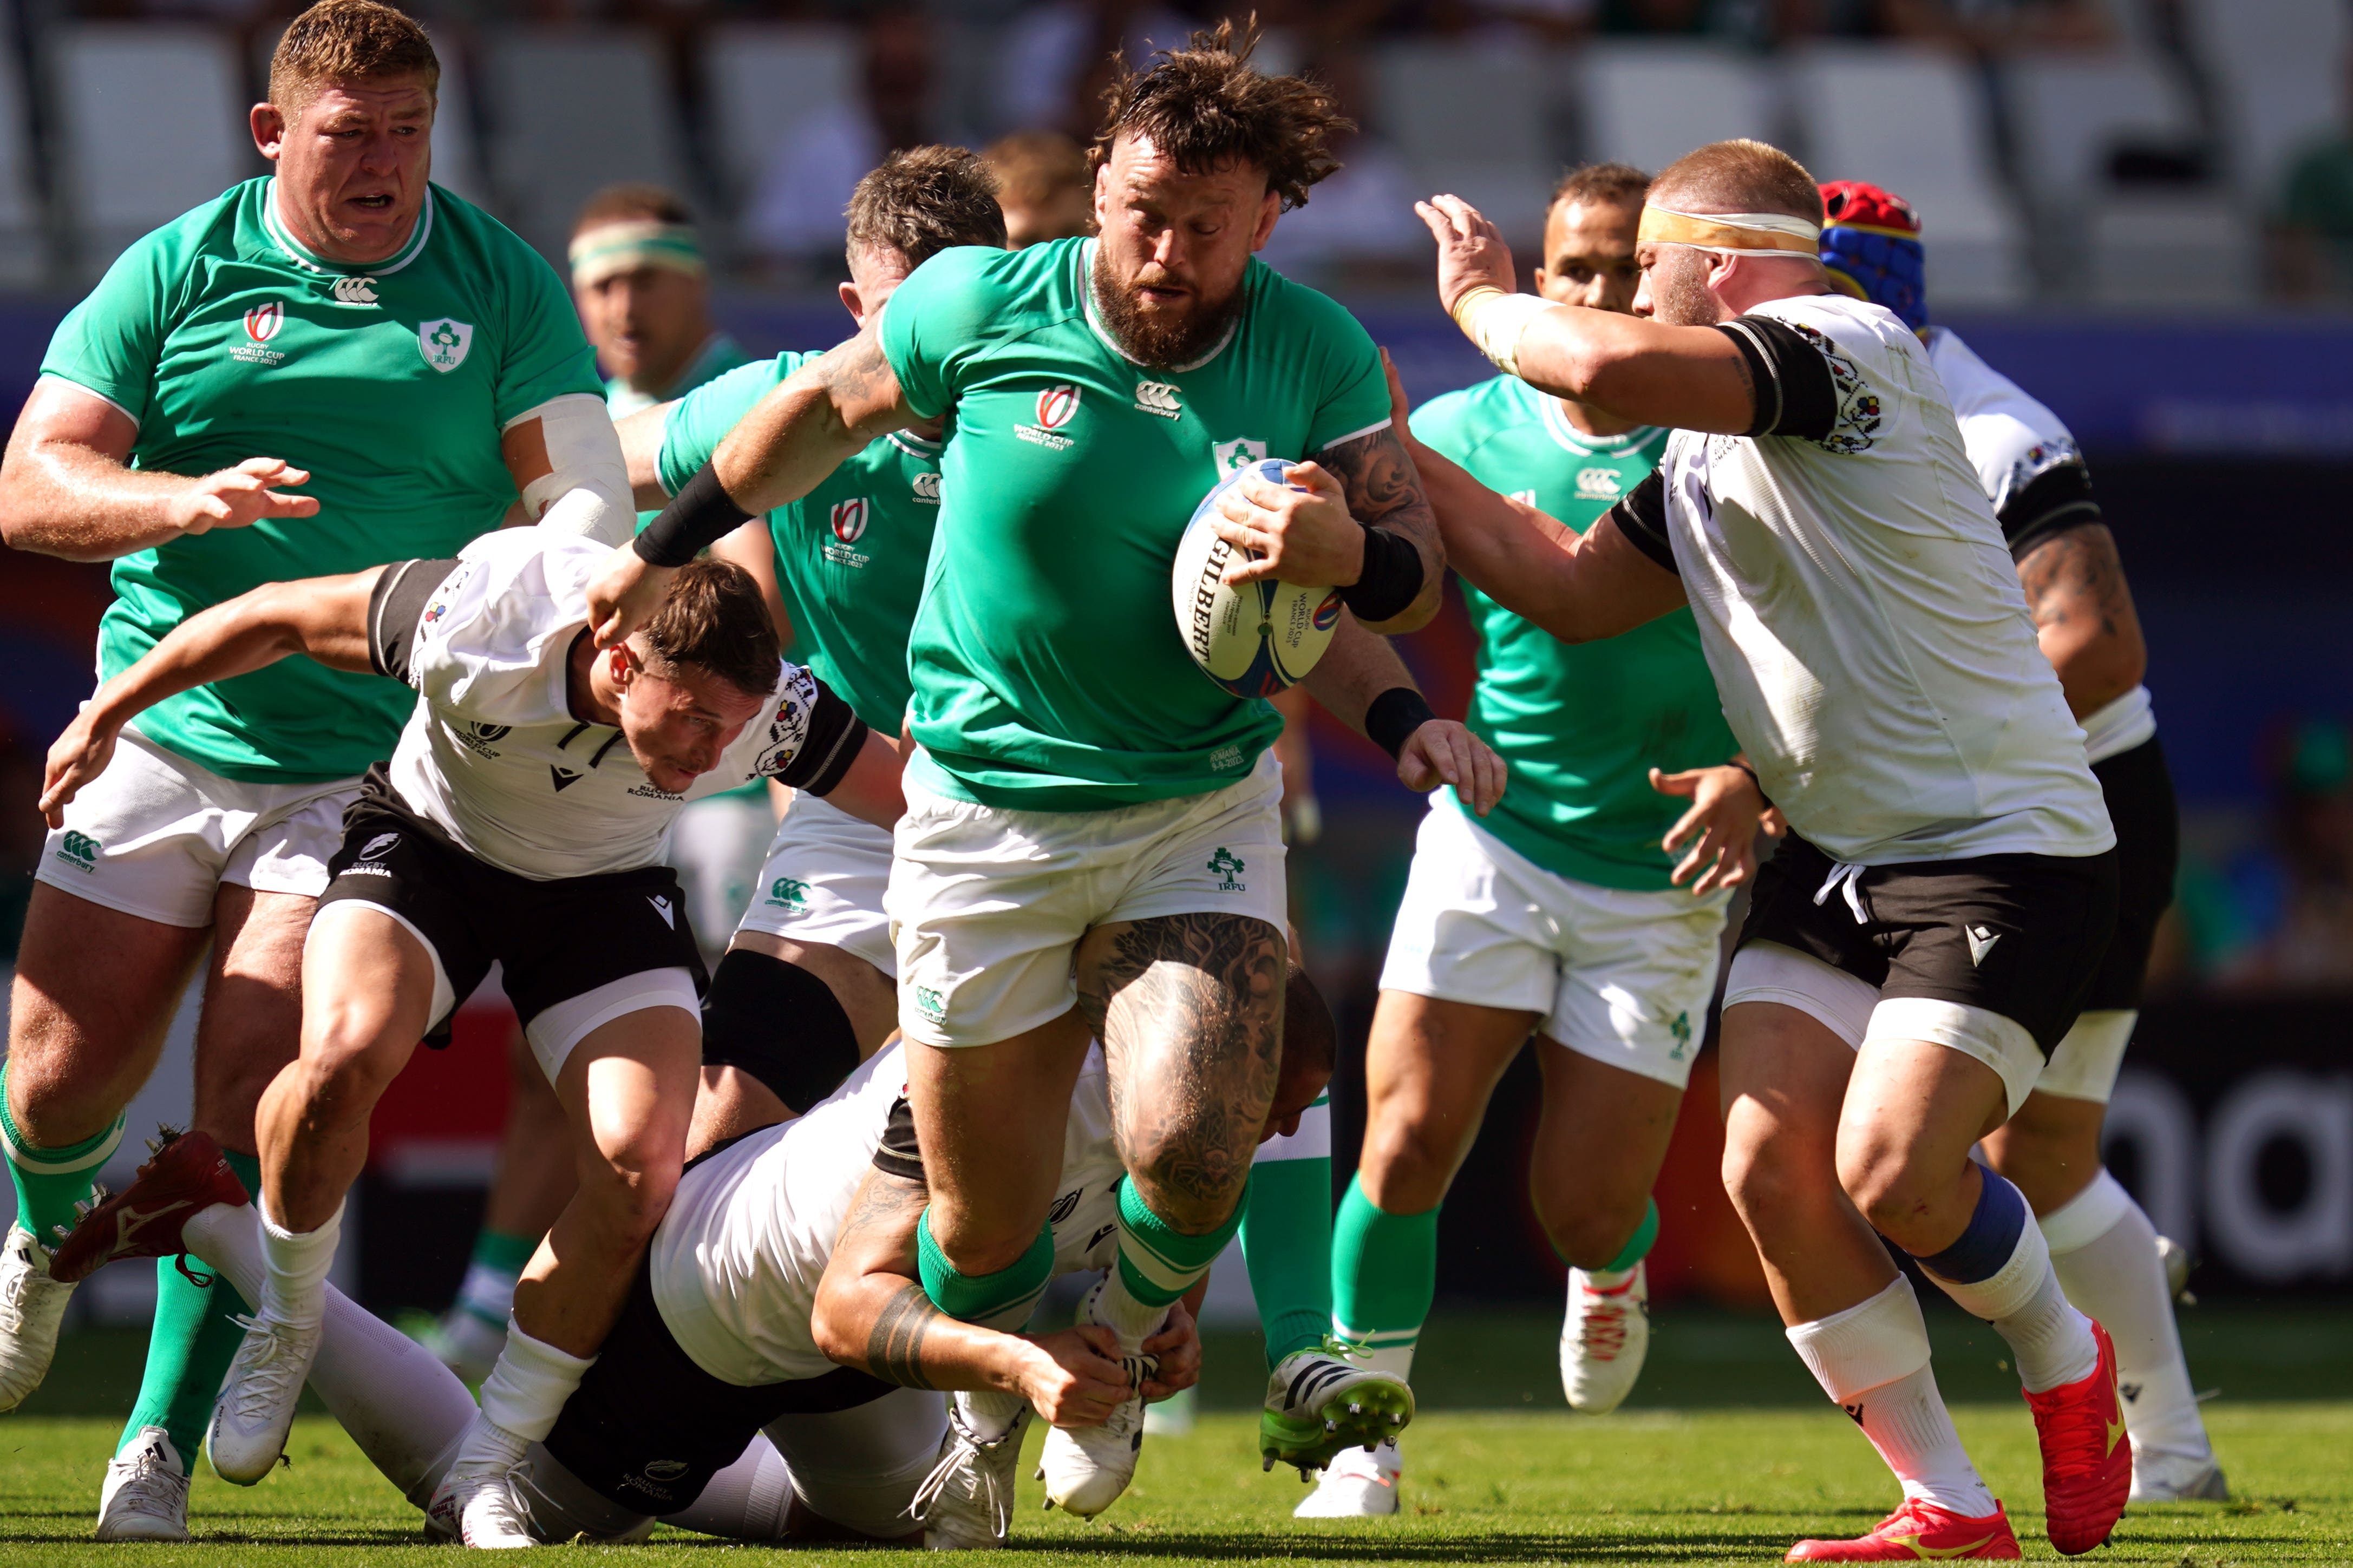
1094 321
295 252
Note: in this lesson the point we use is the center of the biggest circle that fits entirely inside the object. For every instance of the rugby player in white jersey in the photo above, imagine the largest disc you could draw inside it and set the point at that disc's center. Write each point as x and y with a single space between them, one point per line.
2103 1246
715 1407
521 820
415 374
1094 841
1928 931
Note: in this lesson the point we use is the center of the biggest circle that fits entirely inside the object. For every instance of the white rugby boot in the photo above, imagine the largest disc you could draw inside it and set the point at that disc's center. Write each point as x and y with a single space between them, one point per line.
1603 1341
481 1501
1357 1486
256 1407
32 1305
2176 1478
1324 1399
1086 1469
2175 1259
966 1504
146 1493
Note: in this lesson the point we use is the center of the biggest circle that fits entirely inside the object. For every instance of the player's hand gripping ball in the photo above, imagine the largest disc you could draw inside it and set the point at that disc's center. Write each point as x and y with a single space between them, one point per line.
1252 638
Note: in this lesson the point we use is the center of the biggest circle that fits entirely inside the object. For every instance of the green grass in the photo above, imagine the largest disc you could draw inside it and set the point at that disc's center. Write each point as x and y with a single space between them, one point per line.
1483 1488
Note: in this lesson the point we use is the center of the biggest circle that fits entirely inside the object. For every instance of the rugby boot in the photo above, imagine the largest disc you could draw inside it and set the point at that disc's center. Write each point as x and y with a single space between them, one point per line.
2177 1478
2175 1259
1603 1339
256 1407
1357 1485
146 1493
1320 1400
1086 1469
481 1501
186 1174
32 1304
1920 1532
2087 1462
966 1504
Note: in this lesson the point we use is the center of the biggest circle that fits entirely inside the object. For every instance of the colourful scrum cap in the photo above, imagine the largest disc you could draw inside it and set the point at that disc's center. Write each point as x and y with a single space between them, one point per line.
1871 249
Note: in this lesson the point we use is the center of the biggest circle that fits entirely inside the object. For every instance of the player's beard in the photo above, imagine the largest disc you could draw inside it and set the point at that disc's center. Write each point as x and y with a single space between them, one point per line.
1679 292
1165 340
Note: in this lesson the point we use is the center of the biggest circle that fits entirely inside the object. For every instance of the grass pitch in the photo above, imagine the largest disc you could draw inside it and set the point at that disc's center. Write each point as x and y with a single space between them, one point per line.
1657 1487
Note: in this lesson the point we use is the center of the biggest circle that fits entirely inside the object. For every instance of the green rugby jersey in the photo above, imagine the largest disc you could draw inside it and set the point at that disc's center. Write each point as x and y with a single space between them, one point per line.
1049 673
225 339
1580 725
719 354
849 554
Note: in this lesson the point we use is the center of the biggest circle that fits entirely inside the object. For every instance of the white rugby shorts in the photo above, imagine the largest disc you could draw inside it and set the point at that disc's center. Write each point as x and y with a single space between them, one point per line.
155 836
823 883
988 905
1621 975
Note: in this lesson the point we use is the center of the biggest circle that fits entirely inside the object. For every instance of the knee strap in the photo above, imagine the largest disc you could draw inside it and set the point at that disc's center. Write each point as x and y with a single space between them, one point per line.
779 1023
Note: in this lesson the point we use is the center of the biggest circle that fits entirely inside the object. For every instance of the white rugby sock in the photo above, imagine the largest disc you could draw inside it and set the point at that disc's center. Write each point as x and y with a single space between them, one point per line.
294 1286
2021 1299
2104 1250
1132 1320
526 1390
989 1411
748 1501
1873 1361
401 1405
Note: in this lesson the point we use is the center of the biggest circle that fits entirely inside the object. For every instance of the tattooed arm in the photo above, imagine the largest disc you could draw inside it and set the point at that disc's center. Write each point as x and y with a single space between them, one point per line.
2084 614
826 411
871 1314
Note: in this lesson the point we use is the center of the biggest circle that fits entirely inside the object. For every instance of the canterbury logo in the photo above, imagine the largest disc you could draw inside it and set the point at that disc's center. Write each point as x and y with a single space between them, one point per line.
1157 397
355 291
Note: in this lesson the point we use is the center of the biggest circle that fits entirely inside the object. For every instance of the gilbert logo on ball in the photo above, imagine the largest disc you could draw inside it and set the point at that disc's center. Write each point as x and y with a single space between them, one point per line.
849 518
261 322
1252 638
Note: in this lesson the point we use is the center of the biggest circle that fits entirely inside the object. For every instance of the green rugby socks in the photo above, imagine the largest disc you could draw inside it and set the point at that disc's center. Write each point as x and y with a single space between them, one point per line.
193 1338
1621 1268
1286 1236
1384 1277
49 1182
1157 1264
490 1274
1002 1300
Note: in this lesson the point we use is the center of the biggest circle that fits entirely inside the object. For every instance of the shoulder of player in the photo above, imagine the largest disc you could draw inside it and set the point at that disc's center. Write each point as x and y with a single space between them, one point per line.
998 293
1287 307
1982 395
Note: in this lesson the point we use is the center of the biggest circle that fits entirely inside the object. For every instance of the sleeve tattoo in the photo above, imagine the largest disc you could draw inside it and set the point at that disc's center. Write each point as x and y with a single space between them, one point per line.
1384 490
2075 574
895 1350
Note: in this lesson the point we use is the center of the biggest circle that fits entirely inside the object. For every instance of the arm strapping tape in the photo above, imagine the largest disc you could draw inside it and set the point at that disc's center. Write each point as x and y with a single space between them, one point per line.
586 490
1496 322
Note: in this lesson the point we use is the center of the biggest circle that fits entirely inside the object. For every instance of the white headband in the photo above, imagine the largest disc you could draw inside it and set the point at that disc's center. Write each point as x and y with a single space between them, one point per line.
1733 234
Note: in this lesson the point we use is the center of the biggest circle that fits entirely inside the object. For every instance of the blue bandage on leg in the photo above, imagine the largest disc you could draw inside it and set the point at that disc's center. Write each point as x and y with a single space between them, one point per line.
1989 1240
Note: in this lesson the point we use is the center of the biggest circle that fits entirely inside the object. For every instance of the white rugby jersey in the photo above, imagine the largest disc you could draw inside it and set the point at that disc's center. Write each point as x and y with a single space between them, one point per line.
2035 477
1855 602
492 755
737 1259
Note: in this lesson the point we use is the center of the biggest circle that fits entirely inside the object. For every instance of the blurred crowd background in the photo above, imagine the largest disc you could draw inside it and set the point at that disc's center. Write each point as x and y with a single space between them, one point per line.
2142 210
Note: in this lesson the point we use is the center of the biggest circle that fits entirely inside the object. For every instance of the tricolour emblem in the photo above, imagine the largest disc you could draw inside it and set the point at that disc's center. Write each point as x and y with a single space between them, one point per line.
444 343
261 322
1057 406
849 518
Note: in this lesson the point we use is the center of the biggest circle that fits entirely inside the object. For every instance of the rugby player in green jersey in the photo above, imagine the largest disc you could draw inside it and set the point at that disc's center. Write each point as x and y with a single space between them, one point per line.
316 373
644 295
1564 913
1093 840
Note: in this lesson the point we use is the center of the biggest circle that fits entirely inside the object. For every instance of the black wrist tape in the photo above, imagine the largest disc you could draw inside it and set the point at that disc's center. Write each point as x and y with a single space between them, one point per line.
779 1023
1391 580
697 517
1394 716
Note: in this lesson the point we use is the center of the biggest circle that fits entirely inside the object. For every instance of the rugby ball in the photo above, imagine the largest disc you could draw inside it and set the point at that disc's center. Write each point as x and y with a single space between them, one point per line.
1252 638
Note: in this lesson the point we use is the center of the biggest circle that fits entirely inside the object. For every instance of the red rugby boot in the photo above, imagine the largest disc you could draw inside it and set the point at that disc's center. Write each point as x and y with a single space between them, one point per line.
1920 1532
2087 1462
187 1176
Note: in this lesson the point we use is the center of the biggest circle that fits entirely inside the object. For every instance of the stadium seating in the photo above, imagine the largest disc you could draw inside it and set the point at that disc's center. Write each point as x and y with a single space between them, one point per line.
1648 103
765 79
123 172
2279 71
1473 118
24 240
1915 121
575 109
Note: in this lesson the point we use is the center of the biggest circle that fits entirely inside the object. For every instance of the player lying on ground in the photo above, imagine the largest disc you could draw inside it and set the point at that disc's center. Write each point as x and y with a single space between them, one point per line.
1951 877
520 821
1094 842
742 1296
2103 1247
416 373
1560 914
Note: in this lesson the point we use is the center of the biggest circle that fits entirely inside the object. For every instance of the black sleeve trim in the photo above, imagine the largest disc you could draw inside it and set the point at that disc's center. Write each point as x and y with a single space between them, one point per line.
402 593
836 735
1642 517
1795 393
2055 500
897 1155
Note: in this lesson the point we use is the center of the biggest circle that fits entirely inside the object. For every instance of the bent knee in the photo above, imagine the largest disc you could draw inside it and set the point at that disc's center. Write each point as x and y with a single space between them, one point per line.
632 1194
1192 1193
1883 1181
1408 1164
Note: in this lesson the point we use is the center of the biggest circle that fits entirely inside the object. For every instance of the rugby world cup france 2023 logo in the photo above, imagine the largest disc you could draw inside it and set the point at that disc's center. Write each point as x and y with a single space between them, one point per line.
1056 407
849 518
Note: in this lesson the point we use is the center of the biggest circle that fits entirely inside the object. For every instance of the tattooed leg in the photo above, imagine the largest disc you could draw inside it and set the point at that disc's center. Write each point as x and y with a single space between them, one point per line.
1189 1009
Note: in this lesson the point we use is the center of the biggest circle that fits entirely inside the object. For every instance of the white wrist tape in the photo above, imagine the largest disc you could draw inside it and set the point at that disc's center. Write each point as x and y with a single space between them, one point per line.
1495 320
586 490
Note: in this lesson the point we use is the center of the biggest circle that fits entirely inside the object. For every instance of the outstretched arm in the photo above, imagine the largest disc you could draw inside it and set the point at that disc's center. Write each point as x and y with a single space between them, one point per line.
324 618
1688 378
1577 587
1361 681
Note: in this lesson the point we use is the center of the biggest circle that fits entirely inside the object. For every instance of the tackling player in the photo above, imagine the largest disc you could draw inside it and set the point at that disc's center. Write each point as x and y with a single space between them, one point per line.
1558 915
520 821
1092 839
638 277
1928 933
2102 1245
412 369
